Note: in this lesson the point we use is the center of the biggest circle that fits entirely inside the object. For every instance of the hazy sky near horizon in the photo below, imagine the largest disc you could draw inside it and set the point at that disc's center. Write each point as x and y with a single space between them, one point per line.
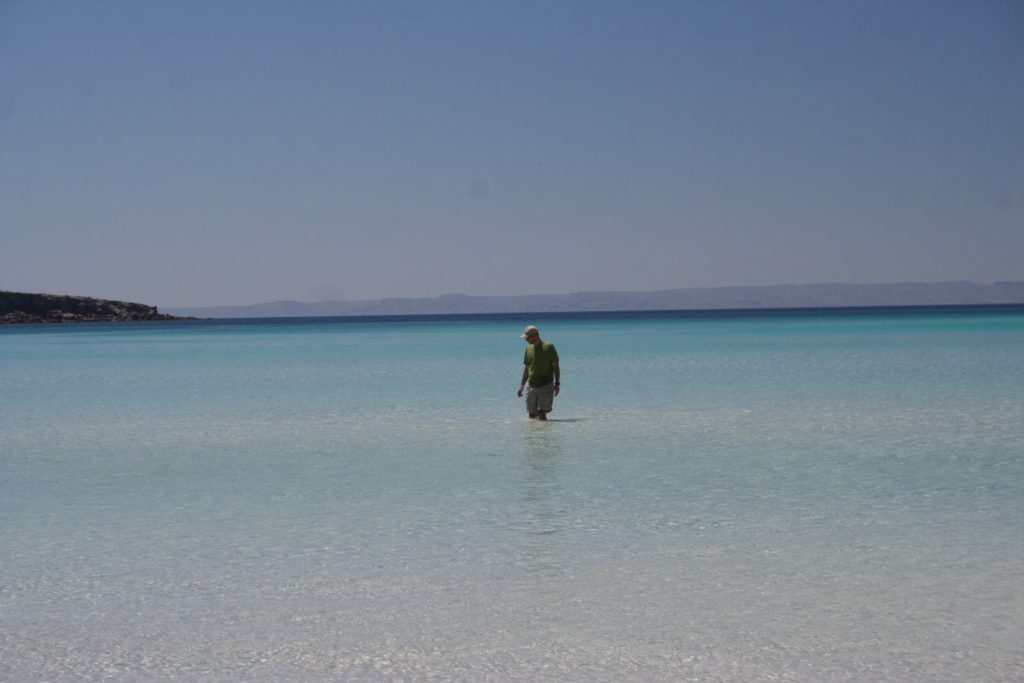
194 153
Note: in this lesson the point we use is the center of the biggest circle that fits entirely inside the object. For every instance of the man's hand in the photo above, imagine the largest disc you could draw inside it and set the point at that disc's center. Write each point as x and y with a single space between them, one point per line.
520 392
557 389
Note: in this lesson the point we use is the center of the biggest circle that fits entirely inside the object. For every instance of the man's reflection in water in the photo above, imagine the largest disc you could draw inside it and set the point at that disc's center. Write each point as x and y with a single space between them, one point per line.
544 501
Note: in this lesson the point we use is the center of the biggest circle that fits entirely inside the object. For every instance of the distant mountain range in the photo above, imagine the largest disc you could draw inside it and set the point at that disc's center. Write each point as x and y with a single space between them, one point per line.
776 296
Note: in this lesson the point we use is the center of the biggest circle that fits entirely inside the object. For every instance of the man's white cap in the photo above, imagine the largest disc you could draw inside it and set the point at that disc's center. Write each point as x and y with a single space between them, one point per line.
530 329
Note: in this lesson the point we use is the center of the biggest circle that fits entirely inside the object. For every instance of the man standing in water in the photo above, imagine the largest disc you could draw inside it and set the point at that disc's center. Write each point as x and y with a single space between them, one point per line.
541 374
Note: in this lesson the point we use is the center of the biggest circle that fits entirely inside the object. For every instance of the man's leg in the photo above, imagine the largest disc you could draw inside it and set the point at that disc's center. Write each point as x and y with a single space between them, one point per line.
545 401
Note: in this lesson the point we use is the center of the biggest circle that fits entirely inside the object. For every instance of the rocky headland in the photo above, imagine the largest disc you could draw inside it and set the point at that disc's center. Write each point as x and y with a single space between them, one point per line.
18 307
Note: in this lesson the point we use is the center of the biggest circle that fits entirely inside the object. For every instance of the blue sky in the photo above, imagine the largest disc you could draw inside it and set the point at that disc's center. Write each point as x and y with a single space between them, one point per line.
198 153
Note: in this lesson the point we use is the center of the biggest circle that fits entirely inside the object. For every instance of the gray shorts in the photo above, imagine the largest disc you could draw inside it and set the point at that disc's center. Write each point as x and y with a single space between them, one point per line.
540 399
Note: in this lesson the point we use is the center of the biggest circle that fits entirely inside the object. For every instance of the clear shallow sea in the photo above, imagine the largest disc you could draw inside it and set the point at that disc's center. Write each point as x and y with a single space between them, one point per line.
814 497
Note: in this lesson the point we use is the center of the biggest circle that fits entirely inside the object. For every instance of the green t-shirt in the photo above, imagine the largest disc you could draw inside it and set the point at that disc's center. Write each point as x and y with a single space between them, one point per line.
539 360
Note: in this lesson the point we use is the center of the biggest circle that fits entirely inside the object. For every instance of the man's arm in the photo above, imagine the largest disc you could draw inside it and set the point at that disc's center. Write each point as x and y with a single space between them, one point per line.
526 376
558 376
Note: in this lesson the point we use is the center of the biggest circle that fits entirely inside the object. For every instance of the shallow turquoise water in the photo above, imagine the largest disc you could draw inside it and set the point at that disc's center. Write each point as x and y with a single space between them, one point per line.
812 498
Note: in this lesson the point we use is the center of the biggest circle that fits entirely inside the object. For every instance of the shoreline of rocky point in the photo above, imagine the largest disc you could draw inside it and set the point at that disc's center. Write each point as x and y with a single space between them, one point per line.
21 308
